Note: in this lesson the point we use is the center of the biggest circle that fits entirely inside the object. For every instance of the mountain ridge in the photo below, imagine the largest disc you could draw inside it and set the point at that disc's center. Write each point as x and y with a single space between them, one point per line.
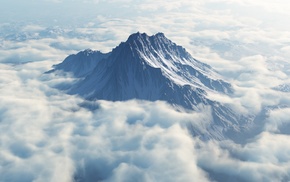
148 60
154 68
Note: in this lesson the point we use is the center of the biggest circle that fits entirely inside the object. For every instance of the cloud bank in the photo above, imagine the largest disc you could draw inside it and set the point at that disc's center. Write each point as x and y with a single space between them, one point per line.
47 135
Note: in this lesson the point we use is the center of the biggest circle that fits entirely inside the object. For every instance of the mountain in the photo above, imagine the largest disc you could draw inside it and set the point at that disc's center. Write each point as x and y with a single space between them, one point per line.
80 64
152 68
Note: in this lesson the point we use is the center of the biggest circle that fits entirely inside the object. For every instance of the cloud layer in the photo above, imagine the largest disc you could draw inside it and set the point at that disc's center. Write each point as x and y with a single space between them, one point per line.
47 135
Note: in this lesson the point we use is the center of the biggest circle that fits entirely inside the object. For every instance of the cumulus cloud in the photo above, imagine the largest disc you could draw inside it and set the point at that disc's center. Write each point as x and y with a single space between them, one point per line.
278 120
47 135
28 51
263 159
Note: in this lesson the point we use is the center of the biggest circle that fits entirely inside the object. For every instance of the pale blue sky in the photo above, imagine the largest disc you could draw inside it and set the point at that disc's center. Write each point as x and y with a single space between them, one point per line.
76 12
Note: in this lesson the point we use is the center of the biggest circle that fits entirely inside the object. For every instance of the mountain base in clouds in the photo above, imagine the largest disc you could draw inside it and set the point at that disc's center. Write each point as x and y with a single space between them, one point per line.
123 141
154 68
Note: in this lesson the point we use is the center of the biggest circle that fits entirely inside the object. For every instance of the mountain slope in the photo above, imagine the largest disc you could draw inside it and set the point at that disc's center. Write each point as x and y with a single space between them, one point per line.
154 68
82 63
151 68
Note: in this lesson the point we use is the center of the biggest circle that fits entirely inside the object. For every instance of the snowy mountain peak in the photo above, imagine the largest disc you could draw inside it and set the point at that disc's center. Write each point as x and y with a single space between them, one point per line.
157 49
149 68
136 36
160 34
143 36
157 41
88 52
175 62
144 67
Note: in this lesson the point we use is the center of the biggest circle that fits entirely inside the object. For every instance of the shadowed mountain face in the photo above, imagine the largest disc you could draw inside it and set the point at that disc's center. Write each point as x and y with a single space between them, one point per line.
81 64
150 68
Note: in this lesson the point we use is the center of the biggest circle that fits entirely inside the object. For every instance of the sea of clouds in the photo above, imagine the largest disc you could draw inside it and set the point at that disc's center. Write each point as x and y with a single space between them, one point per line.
47 135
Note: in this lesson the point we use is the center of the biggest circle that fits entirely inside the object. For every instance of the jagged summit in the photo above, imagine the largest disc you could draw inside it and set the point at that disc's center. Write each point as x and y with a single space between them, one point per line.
88 52
155 43
138 35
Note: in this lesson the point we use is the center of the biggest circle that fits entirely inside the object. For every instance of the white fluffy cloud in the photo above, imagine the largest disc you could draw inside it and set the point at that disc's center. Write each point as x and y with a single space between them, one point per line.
46 135
265 158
